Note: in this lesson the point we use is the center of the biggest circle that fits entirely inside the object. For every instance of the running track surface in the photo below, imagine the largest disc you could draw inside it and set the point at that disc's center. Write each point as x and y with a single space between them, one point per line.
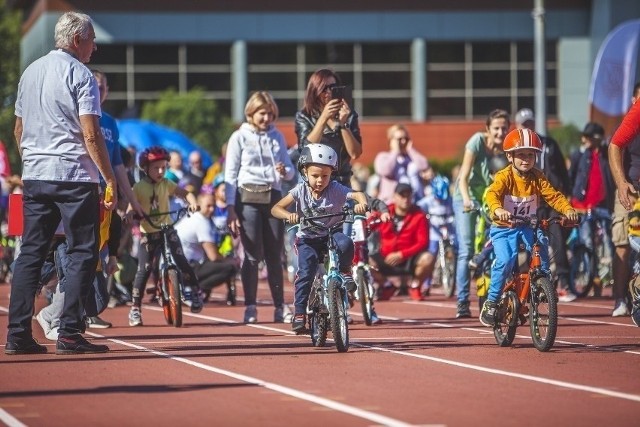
421 367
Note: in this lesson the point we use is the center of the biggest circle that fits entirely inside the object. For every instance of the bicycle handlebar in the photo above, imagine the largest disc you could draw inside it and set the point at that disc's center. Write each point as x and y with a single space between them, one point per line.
179 214
544 223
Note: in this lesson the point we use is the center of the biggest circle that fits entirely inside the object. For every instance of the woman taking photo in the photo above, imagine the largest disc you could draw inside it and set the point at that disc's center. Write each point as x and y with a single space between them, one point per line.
475 175
255 166
329 121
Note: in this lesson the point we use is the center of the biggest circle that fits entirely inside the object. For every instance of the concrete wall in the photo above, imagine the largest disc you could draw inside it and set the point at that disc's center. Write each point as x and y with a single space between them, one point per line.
574 74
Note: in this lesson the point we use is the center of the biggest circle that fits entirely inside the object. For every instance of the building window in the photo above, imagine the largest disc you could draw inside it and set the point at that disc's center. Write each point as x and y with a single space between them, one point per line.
468 80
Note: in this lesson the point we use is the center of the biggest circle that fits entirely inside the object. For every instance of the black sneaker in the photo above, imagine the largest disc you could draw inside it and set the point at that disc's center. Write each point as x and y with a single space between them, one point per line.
463 310
488 313
299 323
28 347
79 345
231 293
97 323
196 302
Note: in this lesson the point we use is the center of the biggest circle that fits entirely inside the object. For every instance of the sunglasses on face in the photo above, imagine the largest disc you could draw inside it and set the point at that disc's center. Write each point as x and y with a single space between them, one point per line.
329 87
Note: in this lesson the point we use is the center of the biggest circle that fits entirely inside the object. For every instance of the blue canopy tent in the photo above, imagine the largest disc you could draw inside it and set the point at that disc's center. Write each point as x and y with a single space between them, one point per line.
142 134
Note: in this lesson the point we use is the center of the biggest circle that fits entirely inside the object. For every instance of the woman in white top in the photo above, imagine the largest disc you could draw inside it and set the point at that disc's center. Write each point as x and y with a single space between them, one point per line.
256 164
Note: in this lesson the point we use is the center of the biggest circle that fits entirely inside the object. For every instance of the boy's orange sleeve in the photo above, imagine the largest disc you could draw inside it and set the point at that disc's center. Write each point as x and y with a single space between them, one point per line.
495 191
553 197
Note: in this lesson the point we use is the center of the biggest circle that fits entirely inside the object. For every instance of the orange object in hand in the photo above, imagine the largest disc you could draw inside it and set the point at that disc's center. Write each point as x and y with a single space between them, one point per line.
108 194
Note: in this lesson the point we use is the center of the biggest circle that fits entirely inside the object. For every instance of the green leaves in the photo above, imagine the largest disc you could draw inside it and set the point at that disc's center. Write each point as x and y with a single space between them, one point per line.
192 114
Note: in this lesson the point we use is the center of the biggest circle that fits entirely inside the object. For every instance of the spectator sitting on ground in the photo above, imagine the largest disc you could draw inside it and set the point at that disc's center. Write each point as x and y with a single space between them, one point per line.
403 246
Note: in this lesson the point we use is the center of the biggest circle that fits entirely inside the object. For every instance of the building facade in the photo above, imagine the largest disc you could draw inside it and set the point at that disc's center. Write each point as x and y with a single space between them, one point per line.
407 60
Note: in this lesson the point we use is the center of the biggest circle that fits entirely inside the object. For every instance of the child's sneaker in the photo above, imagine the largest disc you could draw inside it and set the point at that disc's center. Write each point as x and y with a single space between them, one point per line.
488 313
299 323
416 294
196 302
135 317
375 320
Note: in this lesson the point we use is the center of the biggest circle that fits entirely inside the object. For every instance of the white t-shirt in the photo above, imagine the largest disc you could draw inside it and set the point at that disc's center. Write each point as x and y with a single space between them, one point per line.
193 232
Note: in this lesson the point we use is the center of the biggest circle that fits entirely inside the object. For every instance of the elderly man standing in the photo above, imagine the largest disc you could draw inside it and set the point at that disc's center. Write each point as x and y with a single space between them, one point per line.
59 139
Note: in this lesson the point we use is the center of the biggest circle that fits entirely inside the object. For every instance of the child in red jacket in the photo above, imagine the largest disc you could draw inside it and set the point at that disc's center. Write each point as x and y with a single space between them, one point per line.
403 246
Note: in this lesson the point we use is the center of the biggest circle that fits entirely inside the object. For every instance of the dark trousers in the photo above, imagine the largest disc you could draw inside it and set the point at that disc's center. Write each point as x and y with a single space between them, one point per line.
98 295
262 238
213 273
310 253
46 203
148 257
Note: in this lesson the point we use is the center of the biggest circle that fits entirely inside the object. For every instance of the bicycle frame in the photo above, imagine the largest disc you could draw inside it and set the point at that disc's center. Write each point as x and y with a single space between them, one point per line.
169 287
328 299
528 284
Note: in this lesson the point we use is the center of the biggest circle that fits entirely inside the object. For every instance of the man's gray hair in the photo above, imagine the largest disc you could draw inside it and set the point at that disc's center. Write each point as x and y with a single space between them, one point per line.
70 24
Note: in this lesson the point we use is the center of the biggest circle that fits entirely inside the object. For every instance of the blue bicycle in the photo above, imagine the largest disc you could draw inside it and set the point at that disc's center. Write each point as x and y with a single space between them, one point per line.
328 300
591 260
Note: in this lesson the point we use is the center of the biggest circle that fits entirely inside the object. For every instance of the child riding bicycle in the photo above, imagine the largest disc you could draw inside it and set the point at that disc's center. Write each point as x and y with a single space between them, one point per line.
516 191
318 194
153 192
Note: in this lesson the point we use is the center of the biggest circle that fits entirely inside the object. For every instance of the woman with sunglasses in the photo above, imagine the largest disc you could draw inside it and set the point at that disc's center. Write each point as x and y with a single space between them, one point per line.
324 120
400 164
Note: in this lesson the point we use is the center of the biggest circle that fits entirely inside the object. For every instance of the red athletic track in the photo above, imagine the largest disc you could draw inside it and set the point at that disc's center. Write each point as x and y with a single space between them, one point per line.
420 367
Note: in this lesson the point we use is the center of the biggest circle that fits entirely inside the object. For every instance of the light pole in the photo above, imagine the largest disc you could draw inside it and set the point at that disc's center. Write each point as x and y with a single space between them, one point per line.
540 82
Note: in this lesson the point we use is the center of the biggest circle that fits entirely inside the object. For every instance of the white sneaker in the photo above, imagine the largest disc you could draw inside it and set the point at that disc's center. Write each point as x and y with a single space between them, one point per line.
46 326
349 319
52 335
621 310
375 320
565 295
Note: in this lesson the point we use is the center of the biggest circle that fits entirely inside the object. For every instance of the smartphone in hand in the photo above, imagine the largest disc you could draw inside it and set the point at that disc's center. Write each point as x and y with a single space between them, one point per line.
342 93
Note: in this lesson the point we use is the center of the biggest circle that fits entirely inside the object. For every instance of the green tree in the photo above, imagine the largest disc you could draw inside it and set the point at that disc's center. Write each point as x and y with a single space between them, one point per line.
192 114
10 22
568 137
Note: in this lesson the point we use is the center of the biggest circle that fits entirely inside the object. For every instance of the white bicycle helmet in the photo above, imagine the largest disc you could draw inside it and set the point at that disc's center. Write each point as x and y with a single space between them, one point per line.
317 154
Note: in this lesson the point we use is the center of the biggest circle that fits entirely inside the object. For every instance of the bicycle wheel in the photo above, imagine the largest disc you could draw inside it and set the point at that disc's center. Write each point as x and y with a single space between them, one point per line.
364 295
318 325
175 297
582 271
166 309
543 315
448 273
338 316
318 317
504 329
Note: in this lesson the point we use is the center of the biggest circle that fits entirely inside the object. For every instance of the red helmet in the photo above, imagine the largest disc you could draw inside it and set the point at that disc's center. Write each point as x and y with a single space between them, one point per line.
152 154
519 139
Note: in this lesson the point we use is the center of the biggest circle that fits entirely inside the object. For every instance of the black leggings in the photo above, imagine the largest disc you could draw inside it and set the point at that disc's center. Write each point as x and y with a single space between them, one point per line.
150 247
214 273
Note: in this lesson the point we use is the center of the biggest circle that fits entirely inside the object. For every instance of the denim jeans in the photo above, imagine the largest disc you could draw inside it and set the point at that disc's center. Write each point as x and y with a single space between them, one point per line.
310 253
465 235
45 204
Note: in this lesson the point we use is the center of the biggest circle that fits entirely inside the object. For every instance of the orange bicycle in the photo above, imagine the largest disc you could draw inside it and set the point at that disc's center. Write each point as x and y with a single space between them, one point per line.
529 292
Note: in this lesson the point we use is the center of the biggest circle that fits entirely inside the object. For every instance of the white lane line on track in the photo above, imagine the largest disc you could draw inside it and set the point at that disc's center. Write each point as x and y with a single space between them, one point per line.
599 322
9 419
564 384
317 400
573 386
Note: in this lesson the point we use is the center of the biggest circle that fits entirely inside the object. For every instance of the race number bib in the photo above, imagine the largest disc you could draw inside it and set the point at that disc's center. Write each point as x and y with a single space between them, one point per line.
521 206
357 231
